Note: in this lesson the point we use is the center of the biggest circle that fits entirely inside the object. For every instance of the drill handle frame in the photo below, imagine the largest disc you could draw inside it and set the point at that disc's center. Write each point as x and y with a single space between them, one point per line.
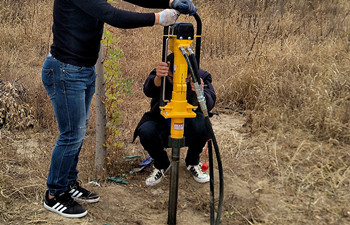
162 101
198 37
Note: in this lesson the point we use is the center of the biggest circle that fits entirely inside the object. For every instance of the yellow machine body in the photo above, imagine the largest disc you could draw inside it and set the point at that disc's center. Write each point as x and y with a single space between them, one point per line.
178 109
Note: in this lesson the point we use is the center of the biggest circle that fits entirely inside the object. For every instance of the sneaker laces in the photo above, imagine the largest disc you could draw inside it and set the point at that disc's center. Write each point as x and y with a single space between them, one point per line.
66 199
196 170
155 172
76 185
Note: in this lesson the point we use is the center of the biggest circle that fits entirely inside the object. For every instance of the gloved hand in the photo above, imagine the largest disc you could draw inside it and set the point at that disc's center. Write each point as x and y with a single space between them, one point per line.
168 17
184 6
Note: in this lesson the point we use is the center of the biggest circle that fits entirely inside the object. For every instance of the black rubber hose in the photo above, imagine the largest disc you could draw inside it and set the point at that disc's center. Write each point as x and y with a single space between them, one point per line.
221 174
201 100
211 174
190 67
195 66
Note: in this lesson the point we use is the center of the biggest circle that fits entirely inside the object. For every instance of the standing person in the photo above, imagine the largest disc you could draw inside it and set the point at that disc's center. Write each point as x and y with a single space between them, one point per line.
154 130
68 75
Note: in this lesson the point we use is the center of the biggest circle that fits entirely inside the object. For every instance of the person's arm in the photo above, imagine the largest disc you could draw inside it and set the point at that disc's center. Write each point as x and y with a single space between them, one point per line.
184 6
155 4
162 70
209 92
149 88
105 12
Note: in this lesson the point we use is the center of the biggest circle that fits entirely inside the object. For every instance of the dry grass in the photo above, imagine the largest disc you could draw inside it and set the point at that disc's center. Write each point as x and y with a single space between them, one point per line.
25 40
289 65
284 62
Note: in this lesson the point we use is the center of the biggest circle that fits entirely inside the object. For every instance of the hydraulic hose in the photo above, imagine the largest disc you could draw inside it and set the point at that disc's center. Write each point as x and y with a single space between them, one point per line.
221 175
195 68
198 89
194 64
203 106
211 174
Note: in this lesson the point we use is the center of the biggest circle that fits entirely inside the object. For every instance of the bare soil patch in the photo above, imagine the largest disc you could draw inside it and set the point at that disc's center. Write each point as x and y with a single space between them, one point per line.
132 203
265 182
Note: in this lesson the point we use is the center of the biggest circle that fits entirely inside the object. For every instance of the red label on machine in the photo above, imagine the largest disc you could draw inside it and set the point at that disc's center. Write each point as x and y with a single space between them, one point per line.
178 126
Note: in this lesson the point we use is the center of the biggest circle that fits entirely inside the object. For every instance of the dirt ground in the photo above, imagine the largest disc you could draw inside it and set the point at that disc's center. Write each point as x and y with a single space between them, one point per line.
290 66
135 203
254 192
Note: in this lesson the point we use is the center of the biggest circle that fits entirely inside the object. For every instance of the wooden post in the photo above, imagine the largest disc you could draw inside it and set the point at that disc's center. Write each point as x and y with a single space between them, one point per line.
101 121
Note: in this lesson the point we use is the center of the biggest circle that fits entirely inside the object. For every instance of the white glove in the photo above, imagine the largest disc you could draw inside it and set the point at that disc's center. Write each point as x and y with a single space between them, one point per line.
168 17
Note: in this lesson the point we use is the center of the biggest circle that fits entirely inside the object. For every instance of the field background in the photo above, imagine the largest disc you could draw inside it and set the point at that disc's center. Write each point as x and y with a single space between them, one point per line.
281 70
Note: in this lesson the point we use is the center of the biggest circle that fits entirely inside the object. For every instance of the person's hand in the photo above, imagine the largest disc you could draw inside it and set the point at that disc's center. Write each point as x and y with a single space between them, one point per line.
162 70
168 17
184 6
193 87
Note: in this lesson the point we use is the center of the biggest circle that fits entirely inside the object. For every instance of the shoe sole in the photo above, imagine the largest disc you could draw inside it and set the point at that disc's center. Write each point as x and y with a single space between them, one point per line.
153 183
65 214
88 200
201 180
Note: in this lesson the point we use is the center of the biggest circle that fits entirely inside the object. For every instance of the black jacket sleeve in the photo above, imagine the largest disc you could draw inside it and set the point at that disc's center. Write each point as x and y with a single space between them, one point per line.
155 4
105 12
151 90
209 92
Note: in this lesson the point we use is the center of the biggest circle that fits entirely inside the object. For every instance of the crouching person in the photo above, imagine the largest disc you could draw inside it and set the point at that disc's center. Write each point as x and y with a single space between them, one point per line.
154 130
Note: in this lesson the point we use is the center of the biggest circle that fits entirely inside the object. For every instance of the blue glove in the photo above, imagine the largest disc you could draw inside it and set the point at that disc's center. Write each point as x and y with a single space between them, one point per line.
184 6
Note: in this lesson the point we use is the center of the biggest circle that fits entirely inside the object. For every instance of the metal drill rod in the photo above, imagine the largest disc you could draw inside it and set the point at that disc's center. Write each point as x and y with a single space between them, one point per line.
174 180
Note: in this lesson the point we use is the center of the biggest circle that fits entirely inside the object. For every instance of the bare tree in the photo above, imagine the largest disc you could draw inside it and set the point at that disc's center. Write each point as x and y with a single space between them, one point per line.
100 153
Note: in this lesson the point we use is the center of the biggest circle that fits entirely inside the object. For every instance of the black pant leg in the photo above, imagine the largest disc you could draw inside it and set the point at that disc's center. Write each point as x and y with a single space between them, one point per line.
196 135
153 138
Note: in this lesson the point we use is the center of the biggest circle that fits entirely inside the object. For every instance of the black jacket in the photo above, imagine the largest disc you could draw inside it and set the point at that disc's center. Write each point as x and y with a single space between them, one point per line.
78 26
153 92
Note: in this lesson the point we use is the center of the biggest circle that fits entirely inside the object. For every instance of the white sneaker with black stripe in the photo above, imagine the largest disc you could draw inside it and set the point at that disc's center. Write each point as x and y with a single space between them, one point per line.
156 176
64 205
81 194
198 174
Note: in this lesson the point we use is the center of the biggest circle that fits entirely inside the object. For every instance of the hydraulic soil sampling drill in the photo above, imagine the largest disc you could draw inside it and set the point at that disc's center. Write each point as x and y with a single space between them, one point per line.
179 39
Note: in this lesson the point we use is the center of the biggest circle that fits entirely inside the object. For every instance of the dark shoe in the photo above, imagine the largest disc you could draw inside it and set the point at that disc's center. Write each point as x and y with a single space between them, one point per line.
81 194
64 205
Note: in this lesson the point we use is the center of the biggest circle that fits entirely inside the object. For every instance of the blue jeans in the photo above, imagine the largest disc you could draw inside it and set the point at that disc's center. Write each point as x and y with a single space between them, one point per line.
70 89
